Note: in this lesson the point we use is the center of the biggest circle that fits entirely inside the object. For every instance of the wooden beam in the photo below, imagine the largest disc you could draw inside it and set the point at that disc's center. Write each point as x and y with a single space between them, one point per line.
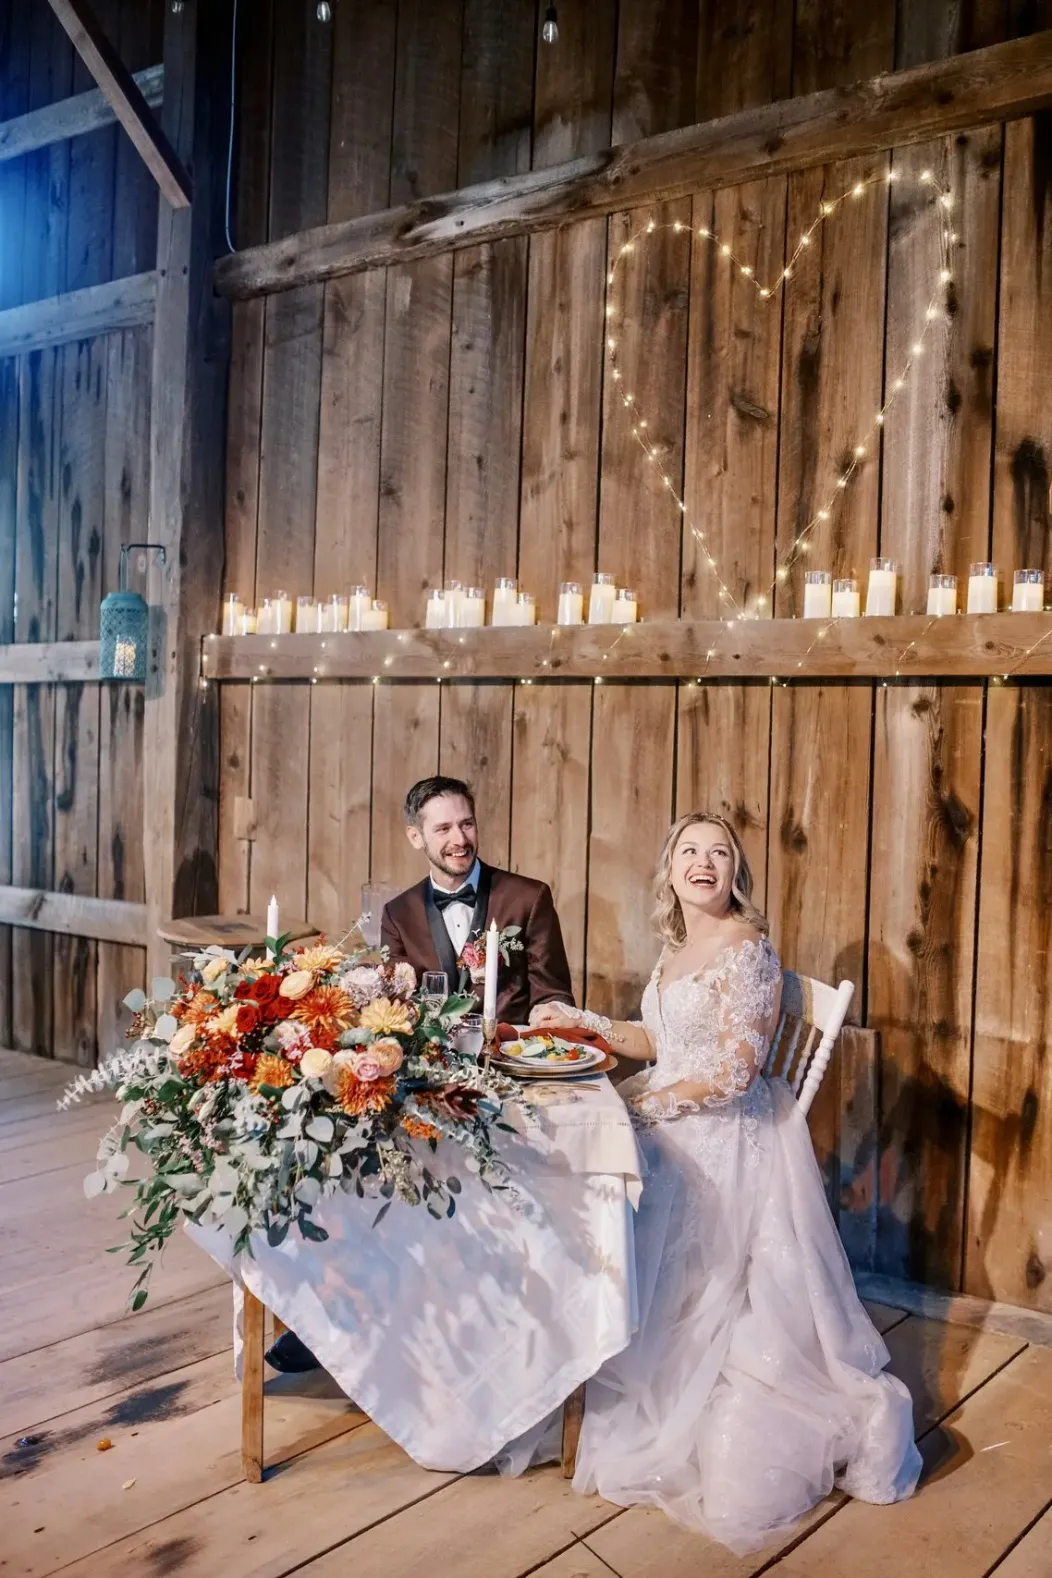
126 98
78 315
71 117
969 646
49 662
957 1309
1000 83
191 354
109 920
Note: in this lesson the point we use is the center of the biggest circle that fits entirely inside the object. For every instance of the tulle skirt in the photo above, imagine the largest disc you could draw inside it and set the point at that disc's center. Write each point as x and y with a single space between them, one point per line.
754 1382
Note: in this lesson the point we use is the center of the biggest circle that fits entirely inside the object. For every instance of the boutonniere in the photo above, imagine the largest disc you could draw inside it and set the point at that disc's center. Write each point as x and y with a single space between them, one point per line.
473 956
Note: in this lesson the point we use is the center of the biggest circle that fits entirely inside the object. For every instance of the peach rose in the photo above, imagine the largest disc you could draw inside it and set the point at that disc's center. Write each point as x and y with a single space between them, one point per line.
297 984
315 1063
218 965
183 1040
387 1054
366 1068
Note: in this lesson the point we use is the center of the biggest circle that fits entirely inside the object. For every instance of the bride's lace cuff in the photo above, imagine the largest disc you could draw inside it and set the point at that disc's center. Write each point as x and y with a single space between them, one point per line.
599 1023
662 1106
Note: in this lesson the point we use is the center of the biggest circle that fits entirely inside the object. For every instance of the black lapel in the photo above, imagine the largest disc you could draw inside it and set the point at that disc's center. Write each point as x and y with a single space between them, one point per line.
479 918
441 938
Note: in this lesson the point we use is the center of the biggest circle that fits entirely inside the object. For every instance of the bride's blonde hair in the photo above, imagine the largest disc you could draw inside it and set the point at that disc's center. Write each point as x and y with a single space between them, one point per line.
668 914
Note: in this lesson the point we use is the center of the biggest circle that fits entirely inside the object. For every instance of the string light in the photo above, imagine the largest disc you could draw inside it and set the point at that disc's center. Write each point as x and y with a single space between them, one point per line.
933 313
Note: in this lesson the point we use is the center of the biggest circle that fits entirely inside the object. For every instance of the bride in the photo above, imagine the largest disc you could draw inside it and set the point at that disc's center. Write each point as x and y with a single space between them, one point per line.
754 1381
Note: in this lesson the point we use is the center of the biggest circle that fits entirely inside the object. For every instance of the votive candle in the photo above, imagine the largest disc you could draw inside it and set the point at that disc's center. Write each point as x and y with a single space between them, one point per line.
625 607
375 616
942 594
571 603
435 613
454 598
339 612
818 594
358 605
282 606
267 622
247 623
306 616
505 596
1028 592
982 589
845 600
526 609
882 591
601 602
233 608
472 612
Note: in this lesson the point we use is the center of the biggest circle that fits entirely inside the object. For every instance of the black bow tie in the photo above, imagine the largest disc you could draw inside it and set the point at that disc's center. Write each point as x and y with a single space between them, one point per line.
461 896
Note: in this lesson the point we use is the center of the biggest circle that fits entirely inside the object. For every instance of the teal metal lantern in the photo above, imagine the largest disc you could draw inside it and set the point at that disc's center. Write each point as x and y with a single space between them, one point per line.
124 624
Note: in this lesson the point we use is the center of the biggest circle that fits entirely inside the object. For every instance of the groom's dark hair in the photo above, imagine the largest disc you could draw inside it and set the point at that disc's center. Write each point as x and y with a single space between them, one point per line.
428 789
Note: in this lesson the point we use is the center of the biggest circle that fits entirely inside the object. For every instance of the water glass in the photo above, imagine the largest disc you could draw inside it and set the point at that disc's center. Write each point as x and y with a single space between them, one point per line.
434 987
469 1035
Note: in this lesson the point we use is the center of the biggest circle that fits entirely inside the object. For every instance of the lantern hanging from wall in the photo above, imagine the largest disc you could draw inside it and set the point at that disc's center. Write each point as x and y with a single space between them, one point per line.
124 624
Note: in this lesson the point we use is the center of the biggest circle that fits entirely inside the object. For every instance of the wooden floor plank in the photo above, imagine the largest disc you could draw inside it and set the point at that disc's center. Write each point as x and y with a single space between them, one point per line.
988 1473
577 1562
177 1437
1032 1557
265 1530
38 1386
31 1159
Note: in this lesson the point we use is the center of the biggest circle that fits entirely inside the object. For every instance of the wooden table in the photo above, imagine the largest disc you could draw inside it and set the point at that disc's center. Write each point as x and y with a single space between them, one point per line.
228 931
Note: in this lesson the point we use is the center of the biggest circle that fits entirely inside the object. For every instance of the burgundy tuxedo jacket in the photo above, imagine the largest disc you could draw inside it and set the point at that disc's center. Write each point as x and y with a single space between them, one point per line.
413 929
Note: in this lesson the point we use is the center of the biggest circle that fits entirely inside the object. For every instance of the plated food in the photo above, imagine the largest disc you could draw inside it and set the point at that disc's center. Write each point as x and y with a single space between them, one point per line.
536 1054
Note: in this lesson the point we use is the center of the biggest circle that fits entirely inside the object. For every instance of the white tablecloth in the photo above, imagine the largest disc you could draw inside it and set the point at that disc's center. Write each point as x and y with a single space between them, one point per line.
458 1336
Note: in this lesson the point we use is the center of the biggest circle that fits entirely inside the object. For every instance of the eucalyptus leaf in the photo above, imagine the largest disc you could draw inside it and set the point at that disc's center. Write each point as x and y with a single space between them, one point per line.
311 1230
165 1027
321 1129
135 1001
163 988
94 1185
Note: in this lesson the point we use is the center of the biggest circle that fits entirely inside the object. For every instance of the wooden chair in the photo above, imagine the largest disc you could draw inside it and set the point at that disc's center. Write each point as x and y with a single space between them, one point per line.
801 1060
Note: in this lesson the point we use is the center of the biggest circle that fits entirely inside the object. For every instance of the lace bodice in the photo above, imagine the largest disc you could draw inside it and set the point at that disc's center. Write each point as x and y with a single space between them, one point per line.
714 1027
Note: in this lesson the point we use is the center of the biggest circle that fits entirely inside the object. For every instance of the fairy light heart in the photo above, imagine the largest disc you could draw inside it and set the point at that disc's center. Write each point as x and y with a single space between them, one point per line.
767 291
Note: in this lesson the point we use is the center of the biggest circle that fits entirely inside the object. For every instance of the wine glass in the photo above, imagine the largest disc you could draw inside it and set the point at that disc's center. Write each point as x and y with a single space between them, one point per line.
434 988
469 1035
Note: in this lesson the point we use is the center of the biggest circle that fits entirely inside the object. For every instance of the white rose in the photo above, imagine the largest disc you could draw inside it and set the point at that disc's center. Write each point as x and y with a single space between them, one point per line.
216 966
315 1063
183 1040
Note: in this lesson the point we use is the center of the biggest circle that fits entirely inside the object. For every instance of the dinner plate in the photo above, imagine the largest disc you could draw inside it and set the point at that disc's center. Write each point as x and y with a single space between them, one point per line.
519 1068
551 1052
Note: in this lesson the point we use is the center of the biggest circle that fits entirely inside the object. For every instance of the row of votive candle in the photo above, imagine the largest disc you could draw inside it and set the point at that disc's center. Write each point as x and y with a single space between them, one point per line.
825 598
464 607
279 615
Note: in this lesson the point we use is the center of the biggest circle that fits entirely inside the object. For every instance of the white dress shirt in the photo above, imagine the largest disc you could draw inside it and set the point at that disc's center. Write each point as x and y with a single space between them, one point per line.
458 916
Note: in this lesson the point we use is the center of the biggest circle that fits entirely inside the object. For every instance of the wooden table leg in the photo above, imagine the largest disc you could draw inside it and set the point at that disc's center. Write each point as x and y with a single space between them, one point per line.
279 1327
573 1419
252 1329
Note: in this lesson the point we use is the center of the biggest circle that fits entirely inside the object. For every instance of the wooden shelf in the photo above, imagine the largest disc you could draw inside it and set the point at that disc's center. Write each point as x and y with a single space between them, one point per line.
967 646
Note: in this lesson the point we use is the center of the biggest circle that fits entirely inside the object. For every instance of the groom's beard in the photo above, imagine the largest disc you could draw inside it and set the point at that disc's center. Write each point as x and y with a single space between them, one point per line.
457 869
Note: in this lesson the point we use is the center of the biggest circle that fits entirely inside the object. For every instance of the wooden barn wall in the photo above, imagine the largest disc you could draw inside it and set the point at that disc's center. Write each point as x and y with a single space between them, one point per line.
454 418
74 452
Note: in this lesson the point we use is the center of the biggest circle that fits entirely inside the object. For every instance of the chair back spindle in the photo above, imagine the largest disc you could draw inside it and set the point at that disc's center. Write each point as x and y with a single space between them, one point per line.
819 1009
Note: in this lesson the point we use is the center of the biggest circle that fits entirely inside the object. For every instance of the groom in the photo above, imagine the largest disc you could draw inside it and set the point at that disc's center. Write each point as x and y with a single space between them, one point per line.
430 924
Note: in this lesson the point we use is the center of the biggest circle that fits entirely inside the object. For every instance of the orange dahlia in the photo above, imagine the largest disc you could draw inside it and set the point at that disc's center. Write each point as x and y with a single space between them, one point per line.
200 1007
357 1096
326 1011
275 1071
417 1129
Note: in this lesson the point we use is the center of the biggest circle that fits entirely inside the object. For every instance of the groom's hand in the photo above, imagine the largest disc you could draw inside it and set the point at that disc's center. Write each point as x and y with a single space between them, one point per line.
550 1014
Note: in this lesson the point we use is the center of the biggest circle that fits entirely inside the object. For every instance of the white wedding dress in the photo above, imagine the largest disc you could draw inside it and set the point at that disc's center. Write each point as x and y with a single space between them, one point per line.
753 1383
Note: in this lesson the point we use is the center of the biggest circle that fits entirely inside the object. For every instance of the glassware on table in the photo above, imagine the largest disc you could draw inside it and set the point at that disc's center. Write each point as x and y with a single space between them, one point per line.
434 988
1028 592
468 1036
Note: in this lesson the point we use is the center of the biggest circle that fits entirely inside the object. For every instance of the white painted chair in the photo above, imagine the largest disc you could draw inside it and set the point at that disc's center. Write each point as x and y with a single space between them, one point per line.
819 1010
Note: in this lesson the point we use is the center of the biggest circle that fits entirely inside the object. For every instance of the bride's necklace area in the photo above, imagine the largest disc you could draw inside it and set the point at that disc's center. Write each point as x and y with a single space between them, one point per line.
702 957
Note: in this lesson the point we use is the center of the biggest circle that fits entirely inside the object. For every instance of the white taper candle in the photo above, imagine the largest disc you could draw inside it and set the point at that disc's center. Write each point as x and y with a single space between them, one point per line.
272 921
489 996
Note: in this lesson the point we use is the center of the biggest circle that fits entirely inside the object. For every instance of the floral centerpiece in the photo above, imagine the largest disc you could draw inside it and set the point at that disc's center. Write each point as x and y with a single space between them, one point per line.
259 1086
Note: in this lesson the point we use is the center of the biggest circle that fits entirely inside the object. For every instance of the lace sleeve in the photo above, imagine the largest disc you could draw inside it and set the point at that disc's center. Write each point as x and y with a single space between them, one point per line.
744 998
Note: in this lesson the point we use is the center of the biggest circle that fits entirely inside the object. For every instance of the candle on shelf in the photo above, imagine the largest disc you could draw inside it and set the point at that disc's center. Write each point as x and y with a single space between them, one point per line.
942 594
282 606
505 595
435 612
267 621
339 612
233 608
272 922
489 995
845 598
375 616
454 599
306 616
248 622
472 612
625 607
1028 592
571 603
124 655
982 589
882 591
358 605
818 594
601 602
526 609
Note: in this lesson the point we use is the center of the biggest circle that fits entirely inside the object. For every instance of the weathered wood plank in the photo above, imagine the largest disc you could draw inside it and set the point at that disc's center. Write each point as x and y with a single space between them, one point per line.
552 752
341 761
1006 1255
70 117
75 914
405 748
88 248
722 761
9 423
475 743
126 98
47 662
958 1309
1005 82
139 35
968 647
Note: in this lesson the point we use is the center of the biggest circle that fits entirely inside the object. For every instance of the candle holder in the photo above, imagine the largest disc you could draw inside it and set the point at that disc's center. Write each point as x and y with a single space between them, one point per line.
982 589
601 601
505 599
1028 592
882 590
942 595
489 1042
818 594
845 600
571 603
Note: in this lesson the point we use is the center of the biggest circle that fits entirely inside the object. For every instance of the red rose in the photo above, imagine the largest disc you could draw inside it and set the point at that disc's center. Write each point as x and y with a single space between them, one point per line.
264 988
247 1018
275 1011
243 990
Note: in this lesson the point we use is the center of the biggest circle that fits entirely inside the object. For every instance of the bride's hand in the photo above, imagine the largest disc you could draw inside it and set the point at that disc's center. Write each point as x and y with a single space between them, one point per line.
551 1014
